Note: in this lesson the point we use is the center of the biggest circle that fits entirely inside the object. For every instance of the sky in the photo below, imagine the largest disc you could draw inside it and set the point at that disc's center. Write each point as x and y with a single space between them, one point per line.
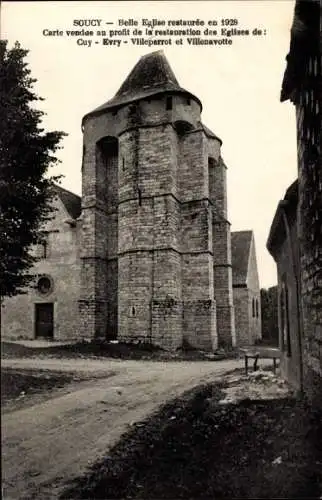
238 84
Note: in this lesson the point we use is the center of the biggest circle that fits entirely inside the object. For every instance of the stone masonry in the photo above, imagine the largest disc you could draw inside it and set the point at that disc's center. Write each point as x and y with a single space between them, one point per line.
246 289
146 255
60 265
156 247
302 86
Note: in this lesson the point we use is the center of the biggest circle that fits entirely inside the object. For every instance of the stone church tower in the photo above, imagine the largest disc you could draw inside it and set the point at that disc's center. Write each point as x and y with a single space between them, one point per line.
156 246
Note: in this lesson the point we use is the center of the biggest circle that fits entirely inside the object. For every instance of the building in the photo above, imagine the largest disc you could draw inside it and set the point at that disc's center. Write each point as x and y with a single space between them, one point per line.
246 289
302 86
156 257
50 308
150 254
283 244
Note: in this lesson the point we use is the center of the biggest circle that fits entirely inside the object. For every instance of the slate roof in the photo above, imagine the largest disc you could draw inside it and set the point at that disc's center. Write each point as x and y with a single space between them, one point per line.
289 206
71 201
210 133
240 249
150 76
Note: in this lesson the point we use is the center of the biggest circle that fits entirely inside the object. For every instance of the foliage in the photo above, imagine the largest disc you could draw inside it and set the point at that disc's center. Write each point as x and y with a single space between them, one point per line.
26 154
269 315
17 383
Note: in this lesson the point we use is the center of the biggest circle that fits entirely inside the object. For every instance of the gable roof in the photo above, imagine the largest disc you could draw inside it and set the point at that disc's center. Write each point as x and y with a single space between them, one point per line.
151 75
71 201
240 250
288 206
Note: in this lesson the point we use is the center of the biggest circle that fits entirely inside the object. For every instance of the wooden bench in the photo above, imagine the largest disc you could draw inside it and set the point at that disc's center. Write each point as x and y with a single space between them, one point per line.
260 352
250 354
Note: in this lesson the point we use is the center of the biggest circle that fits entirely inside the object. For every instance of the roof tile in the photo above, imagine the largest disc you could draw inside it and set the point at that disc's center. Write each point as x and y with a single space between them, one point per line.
240 249
151 75
71 201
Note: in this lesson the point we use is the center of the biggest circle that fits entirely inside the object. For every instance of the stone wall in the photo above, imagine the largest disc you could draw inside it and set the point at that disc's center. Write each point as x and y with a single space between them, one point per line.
149 240
288 306
163 268
93 307
309 227
221 239
242 318
62 266
254 298
199 316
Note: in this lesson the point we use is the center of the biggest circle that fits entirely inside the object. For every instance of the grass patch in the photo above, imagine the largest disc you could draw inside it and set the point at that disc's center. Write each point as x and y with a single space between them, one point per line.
196 448
119 350
20 383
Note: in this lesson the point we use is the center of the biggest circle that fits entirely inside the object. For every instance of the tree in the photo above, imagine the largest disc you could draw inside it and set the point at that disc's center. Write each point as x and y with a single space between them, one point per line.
269 315
26 155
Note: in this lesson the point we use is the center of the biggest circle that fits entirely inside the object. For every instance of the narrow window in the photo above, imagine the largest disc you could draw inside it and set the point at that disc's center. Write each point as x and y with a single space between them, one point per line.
285 325
188 101
133 311
282 317
45 249
83 157
42 249
256 308
310 65
168 103
253 308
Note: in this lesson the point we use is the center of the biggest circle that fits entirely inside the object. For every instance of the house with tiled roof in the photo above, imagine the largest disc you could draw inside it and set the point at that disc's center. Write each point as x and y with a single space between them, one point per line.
283 245
49 309
246 288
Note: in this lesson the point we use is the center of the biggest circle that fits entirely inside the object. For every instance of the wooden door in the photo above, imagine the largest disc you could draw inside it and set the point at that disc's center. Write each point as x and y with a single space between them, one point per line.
45 320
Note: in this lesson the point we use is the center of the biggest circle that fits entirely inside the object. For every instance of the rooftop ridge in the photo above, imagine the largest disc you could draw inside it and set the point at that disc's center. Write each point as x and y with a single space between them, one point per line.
240 252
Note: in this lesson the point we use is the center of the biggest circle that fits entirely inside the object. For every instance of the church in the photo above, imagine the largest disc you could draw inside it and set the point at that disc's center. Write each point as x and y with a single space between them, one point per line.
146 254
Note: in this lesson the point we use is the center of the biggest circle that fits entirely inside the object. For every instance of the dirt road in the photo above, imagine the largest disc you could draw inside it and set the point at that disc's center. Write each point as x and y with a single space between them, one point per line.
47 444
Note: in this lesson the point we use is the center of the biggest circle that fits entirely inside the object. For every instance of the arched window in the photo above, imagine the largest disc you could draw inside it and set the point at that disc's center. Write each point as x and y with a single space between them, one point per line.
108 165
83 157
42 248
212 179
182 127
107 171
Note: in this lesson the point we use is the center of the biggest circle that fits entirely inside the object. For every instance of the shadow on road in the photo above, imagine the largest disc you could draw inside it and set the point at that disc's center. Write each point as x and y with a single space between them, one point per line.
195 447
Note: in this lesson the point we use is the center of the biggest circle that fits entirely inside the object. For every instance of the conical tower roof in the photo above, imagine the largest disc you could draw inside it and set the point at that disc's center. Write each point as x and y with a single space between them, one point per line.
150 76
